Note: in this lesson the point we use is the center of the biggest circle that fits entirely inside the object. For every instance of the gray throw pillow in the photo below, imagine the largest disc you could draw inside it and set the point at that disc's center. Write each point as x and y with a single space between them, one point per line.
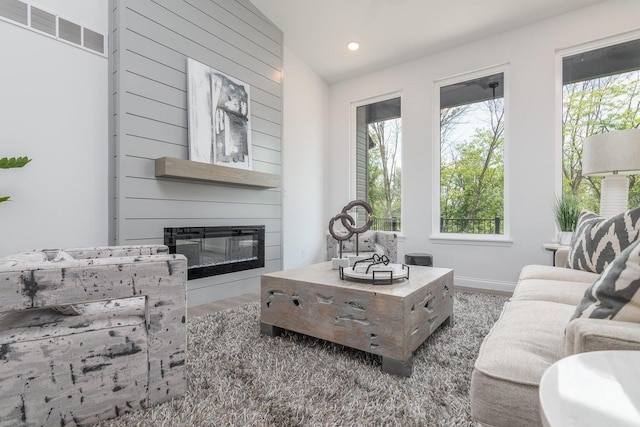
597 240
615 294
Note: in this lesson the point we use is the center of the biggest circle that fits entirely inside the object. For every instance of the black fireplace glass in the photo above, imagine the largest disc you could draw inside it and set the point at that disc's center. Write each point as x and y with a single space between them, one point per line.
217 250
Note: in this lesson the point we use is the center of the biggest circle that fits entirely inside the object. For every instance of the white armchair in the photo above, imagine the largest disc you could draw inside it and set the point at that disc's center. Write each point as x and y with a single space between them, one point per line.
370 242
87 334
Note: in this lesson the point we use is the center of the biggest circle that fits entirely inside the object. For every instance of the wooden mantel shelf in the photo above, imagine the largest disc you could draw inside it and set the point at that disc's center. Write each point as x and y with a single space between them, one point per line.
171 167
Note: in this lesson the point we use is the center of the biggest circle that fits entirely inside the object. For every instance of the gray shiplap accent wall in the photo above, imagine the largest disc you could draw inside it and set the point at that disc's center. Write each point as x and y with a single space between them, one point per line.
151 41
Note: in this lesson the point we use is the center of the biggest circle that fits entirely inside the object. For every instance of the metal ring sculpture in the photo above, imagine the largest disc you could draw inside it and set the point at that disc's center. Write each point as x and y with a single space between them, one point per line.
348 222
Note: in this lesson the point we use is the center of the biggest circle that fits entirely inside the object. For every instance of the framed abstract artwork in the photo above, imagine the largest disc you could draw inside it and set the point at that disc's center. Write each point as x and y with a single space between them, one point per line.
219 119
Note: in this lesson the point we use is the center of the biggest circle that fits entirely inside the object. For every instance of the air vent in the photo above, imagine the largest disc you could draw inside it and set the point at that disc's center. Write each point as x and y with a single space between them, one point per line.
93 40
14 10
43 21
69 31
51 24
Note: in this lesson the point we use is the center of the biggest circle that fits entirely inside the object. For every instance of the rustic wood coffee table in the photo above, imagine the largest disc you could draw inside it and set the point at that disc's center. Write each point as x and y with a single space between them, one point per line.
387 320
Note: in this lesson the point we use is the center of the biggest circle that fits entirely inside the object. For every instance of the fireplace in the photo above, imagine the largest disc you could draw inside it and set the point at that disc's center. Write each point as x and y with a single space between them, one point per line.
217 250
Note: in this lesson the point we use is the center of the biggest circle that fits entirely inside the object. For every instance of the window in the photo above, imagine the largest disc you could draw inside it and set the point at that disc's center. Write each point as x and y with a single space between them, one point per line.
379 162
600 93
472 118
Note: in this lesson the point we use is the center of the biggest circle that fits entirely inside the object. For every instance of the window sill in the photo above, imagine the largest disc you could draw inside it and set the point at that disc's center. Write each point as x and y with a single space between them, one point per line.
471 239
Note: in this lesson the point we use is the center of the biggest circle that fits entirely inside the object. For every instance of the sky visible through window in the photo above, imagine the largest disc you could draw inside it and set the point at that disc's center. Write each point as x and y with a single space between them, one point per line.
473 119
472 167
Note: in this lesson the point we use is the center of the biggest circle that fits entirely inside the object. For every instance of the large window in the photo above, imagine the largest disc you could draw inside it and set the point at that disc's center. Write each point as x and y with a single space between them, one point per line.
601 93
472 118
379 161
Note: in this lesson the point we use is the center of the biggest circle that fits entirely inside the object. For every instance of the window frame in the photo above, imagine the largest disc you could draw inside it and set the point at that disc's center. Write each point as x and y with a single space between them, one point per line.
353 128
464 238
559 101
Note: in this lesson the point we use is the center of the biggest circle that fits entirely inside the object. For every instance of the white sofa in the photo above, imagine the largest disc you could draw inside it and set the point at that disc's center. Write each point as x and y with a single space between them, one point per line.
534 331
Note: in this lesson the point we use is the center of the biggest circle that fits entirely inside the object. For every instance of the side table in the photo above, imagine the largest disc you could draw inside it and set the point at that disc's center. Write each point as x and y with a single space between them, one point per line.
598 388
553 247
419 259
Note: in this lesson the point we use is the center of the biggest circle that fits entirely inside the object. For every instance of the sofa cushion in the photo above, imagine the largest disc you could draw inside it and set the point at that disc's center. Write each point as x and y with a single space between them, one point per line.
23 259
62 256
561 291
547 272
47 322
527 339
615 294
31 258
597 240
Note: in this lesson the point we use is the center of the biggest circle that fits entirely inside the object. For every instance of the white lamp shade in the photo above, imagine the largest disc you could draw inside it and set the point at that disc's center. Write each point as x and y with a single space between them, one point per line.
612 152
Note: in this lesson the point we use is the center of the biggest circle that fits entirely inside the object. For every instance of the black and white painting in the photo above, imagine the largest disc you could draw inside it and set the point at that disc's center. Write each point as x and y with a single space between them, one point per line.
219 120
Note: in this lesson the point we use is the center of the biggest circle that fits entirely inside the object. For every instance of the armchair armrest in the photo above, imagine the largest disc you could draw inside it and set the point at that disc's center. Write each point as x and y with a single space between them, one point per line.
332 246
584 335
110 251
99 275
561 256
389 242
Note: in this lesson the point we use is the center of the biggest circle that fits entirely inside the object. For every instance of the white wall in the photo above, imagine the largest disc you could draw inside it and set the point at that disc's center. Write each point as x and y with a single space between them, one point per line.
305 136
54 109
533 139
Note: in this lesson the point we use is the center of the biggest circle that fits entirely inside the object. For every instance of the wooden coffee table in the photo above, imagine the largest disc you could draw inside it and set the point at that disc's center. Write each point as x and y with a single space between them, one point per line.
388 320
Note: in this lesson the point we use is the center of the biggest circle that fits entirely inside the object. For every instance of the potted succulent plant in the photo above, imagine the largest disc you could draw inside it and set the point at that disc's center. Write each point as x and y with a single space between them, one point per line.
10 163
567 209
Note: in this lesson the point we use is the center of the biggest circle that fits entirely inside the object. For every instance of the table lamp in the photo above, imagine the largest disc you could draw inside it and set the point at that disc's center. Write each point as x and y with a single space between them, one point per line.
612 155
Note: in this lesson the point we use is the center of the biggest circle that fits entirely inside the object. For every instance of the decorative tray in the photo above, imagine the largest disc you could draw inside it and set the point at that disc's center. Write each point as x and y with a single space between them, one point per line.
377 274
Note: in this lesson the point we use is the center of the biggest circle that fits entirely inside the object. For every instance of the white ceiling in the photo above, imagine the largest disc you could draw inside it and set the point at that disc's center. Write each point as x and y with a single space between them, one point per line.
395 31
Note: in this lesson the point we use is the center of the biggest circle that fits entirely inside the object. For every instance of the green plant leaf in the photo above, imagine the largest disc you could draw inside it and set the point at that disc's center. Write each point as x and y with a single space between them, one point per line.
10 163
13 162
567 209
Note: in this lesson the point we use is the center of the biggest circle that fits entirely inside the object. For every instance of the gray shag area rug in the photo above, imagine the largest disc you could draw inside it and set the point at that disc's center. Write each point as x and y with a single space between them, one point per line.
237 377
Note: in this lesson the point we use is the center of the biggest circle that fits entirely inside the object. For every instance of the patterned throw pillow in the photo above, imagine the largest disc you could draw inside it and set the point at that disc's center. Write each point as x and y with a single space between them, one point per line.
615 294
597 240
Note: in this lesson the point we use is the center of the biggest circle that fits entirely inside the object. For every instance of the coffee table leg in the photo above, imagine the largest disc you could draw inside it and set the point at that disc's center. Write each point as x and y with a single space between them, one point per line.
272 331
397 367
448 321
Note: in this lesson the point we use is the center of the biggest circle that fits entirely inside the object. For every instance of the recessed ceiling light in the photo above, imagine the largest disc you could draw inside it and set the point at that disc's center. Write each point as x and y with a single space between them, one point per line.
353 46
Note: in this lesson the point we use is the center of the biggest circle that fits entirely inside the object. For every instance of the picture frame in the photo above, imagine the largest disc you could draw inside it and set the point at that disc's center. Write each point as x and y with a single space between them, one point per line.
219 117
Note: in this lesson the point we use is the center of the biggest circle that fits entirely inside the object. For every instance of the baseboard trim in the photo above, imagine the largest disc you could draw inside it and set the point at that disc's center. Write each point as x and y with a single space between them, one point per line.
473 284
482 291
